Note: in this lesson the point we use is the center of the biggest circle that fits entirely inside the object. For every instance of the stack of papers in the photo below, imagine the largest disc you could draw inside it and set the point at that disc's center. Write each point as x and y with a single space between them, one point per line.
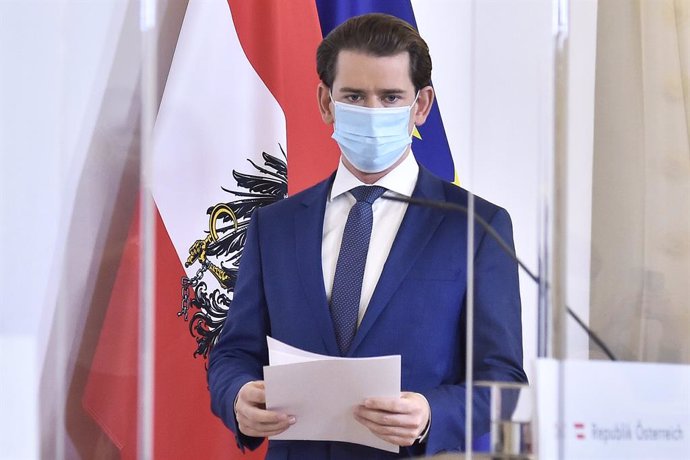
322 392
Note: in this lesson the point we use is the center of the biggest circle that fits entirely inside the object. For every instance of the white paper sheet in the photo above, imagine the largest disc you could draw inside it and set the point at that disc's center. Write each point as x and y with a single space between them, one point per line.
323 391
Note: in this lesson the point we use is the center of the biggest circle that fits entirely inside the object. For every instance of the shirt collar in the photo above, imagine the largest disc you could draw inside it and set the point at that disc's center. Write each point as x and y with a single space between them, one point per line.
402 179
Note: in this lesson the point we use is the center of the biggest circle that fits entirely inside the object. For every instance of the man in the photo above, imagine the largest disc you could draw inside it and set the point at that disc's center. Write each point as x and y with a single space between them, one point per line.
334 270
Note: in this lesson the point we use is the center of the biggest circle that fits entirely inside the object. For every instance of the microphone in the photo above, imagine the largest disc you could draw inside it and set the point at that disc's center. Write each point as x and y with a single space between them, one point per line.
443 205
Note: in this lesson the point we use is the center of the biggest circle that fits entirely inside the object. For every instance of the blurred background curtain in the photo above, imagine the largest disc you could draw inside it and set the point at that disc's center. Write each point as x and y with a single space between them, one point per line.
640 278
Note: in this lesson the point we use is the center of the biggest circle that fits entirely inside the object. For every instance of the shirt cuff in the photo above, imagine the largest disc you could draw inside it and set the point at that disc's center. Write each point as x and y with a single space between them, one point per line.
425 432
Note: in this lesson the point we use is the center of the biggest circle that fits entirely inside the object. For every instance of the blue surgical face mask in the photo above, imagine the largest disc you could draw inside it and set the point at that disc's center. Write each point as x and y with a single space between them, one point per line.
372 139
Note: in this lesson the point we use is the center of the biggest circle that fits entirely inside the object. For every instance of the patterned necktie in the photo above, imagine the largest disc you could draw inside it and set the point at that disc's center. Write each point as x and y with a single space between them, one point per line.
349 271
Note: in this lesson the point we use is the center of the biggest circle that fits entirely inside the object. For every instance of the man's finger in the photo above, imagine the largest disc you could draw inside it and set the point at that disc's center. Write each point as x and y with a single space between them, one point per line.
264 426
384 418
261 421
259 415
254 393
407 430
396 405
396 435
261 432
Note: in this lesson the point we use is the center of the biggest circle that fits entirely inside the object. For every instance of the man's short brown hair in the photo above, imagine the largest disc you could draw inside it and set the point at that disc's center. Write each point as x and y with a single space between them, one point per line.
375 34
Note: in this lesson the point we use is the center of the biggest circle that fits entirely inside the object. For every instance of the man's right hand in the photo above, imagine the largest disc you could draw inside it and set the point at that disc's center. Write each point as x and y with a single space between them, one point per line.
252 417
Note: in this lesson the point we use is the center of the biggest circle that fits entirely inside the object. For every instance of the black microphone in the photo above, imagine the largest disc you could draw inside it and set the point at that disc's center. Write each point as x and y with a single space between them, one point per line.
506 248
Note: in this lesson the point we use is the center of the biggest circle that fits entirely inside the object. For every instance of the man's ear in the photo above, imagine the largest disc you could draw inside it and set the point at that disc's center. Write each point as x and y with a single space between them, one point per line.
323 96
423 106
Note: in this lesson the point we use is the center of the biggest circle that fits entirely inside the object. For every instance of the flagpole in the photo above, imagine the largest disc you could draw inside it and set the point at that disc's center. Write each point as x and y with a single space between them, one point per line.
469 305
557 278
147 250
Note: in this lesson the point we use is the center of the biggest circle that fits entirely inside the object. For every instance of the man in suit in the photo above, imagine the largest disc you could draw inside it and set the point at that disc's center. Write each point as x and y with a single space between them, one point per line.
336 270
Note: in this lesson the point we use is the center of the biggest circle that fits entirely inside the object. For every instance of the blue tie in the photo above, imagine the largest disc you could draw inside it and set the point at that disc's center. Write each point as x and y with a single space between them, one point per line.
349 271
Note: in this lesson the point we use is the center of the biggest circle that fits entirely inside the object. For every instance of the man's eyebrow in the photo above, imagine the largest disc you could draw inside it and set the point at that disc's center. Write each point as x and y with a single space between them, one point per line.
347 89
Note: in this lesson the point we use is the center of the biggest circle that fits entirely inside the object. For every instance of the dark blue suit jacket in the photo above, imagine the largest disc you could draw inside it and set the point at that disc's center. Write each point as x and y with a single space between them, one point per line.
417 311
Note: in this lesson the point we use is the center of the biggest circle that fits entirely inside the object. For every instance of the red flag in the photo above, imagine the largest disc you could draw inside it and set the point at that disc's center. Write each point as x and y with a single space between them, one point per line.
280 39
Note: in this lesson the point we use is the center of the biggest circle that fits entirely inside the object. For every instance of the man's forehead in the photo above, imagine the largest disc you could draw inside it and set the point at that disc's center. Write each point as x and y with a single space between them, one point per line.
347 56
357 70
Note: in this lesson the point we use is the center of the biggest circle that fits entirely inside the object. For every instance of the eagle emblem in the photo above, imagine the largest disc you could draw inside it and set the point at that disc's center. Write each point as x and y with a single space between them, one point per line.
208 297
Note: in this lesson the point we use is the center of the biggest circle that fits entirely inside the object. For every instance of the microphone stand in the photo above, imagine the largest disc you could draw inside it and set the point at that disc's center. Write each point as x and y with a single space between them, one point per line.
506 248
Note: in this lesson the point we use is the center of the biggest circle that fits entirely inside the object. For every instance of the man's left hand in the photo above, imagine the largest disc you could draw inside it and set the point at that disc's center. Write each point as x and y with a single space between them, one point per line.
397 420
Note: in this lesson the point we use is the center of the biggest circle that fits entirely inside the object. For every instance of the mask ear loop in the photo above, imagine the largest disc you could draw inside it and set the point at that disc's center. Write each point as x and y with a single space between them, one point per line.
335 104
414 125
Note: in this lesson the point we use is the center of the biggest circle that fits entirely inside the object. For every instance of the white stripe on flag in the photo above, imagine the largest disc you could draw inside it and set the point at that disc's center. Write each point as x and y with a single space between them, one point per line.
216 112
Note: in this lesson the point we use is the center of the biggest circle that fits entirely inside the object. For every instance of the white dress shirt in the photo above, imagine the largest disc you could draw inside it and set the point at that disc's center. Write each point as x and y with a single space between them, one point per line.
387 218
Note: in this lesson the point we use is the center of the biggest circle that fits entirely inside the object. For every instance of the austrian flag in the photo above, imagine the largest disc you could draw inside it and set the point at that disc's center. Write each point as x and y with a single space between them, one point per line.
238 128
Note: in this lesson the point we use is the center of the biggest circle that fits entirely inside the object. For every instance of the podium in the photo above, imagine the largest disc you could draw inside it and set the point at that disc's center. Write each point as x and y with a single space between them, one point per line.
578 409
611 410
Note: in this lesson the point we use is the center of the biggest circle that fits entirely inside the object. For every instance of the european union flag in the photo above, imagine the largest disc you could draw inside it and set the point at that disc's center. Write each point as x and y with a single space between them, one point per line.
432 149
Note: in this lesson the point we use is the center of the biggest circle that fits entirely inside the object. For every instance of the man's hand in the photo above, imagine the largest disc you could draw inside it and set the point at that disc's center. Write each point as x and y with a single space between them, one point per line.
399 421
252 417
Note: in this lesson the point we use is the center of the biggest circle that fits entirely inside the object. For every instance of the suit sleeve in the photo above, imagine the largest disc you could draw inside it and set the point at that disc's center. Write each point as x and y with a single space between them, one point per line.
241 351
497 340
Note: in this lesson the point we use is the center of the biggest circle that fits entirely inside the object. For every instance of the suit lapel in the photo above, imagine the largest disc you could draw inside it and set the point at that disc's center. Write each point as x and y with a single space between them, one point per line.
308 227
415 231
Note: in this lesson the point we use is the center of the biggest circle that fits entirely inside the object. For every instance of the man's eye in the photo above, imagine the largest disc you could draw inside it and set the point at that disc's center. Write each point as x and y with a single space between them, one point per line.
391 99
352 98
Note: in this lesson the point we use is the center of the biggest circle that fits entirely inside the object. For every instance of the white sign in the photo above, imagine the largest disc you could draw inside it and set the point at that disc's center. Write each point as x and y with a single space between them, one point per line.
612 410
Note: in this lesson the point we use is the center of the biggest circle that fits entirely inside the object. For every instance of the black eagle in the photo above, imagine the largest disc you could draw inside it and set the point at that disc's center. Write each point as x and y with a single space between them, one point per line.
224 243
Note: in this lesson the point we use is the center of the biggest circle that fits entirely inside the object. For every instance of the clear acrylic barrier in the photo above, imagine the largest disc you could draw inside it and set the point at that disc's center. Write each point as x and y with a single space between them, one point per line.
70 139
69 114
507 159
77 113
608 179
